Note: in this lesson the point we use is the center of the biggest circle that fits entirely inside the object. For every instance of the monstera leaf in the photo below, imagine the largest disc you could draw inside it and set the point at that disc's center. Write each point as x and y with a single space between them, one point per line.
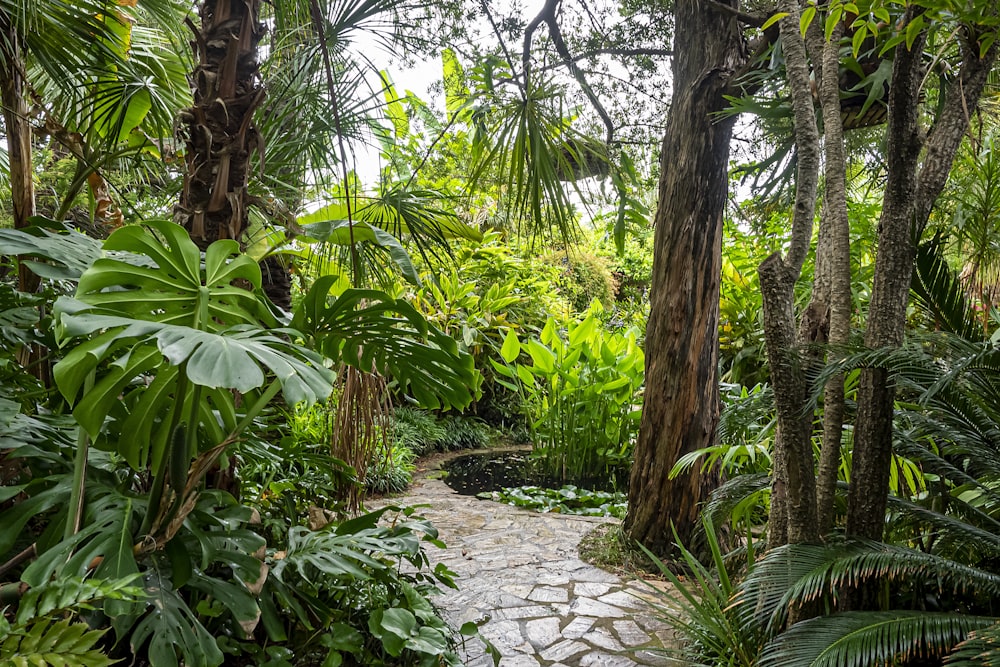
369 329
179 287
189 326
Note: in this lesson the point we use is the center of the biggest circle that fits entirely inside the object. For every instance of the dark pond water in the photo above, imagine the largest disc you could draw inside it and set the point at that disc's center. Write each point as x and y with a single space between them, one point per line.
491 471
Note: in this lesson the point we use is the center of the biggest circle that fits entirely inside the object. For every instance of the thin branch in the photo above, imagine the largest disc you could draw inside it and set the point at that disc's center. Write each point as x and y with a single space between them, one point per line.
743 17
503 45
548 16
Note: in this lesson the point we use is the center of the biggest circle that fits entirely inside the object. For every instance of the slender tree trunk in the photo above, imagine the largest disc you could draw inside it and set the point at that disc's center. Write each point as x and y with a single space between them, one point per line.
909 197
833 269
794 476
681 404
15 117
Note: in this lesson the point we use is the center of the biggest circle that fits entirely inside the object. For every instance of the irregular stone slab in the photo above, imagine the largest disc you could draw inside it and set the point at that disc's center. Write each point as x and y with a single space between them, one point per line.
517 661
543 632
591 589
624 599
578 627
589 607
602 638
630 634
601 659
563 650
549 594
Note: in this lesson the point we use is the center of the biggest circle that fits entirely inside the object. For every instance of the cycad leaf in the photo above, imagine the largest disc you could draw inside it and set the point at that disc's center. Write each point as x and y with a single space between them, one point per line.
865 639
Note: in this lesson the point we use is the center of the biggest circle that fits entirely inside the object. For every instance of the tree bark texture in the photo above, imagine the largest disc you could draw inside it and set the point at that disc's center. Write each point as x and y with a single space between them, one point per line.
833 270
909 196
220 130
18 134
794 479
681 403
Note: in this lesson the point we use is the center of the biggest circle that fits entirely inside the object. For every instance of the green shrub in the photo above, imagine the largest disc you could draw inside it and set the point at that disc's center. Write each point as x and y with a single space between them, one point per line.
415 429
390 471
582 279
461 432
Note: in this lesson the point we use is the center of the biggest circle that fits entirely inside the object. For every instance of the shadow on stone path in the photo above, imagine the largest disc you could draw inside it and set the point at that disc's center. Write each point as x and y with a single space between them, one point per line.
520 578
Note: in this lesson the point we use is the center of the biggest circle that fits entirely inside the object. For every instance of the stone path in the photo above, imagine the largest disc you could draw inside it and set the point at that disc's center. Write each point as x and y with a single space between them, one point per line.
521 579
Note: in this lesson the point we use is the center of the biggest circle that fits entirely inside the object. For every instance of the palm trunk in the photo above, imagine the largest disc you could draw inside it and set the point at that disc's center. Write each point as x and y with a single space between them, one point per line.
220 131
681 405
833 269
15 116
794 479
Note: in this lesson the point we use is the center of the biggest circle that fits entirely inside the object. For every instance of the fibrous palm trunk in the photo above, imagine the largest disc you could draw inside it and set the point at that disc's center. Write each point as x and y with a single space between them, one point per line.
220 132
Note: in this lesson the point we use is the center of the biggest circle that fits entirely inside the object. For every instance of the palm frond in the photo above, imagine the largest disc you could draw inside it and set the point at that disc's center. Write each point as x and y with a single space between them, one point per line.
521 145
980 649
738 497
938 290
965 534
802 573
869 639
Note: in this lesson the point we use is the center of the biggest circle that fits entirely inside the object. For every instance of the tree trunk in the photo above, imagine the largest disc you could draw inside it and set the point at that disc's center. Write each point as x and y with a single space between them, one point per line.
794 479
909 198
15 117
220 131
833 274
681 404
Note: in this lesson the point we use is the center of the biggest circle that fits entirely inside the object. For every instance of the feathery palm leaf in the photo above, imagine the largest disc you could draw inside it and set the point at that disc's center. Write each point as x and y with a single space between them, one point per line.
804 572
980 649
868 639
938 290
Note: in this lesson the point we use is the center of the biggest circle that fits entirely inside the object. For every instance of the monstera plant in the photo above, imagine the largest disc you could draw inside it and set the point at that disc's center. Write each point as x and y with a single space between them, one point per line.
197 330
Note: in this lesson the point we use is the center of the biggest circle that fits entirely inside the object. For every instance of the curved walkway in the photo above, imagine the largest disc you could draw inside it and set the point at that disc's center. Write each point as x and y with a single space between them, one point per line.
521 579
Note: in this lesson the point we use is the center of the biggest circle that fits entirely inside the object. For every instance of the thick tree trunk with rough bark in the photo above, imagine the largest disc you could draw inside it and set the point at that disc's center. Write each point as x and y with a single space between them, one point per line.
220 132
911 190
18 134
681 404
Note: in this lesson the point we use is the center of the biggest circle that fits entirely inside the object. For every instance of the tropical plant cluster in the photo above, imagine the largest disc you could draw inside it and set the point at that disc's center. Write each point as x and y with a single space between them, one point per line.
246 281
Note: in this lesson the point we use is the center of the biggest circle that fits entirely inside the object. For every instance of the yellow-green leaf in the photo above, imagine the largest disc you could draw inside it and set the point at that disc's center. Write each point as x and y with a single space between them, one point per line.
511 348
808 14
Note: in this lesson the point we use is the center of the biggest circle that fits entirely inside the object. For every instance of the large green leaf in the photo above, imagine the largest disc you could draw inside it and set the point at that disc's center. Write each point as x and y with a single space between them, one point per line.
238 358
170 627
179 288
67 253
369 329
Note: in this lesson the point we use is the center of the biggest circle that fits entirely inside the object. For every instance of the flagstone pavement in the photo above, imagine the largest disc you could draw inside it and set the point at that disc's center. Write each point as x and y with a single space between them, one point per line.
521 579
